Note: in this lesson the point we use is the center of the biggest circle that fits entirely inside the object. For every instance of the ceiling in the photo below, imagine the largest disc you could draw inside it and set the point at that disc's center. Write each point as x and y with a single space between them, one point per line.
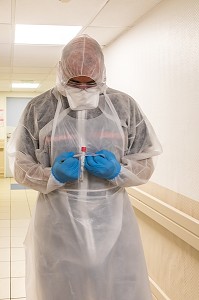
103 20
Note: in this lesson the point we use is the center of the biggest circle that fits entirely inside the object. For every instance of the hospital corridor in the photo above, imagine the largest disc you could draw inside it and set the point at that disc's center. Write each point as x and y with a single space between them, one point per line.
99 150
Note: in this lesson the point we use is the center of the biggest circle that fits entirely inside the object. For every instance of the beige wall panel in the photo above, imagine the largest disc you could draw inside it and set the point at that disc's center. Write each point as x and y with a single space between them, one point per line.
172 264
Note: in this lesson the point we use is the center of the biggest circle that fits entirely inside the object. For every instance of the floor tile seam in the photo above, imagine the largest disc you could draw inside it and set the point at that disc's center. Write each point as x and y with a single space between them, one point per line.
20 260
17 248
18 277
5 278
28 203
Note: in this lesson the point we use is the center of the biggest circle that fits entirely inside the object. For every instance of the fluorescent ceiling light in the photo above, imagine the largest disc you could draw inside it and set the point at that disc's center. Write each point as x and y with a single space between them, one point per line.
25 85
45 34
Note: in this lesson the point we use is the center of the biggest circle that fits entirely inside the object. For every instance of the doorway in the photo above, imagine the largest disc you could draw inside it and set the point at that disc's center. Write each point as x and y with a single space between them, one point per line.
14 109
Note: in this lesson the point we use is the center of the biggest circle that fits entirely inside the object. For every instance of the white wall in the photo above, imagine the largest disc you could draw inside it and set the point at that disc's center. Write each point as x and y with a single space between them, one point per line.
157 63
3 96
6 129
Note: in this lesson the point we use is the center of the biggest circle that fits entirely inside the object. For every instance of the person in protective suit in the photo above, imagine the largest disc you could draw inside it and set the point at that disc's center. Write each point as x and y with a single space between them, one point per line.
80 144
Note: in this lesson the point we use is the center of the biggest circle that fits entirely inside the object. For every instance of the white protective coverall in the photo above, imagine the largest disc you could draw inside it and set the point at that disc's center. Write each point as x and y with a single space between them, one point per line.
83 241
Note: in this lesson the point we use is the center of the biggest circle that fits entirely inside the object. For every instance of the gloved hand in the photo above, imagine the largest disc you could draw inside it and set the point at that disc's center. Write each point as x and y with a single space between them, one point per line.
66 167
105 166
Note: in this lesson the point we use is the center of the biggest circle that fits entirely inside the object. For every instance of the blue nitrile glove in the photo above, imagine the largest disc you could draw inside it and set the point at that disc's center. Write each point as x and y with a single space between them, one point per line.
66 167
105 166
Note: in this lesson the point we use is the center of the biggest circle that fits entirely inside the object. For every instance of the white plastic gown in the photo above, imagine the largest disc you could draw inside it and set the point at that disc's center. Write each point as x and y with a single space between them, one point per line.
83 241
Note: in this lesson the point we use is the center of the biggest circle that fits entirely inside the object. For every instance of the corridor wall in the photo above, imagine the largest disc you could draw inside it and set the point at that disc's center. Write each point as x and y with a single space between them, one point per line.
157 63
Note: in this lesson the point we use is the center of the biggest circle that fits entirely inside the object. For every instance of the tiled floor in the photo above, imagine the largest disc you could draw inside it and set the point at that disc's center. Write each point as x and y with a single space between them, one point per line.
16 207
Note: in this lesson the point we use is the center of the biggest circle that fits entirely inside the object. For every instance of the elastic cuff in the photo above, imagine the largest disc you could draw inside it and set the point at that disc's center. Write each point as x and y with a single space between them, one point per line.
115 174
55 179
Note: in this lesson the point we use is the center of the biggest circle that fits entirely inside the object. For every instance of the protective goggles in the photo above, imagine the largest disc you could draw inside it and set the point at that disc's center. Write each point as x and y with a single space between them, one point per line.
81 85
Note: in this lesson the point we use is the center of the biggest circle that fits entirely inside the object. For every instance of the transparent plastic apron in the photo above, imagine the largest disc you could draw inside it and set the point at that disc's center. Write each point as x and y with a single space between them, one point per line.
77 230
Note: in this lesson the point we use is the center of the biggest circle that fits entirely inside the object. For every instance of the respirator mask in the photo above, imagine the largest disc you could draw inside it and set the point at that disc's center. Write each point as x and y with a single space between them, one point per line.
83 96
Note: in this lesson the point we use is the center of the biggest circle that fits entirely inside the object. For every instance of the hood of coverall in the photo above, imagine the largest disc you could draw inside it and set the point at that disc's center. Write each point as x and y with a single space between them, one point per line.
82 56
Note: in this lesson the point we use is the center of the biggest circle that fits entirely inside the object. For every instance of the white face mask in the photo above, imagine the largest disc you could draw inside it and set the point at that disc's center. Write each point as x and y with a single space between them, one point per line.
82 99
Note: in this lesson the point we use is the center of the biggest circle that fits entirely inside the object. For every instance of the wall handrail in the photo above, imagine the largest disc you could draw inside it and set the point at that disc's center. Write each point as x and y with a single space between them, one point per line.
179 223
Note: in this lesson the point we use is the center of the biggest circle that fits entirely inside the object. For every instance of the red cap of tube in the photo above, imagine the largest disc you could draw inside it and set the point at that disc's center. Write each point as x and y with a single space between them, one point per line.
83 149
